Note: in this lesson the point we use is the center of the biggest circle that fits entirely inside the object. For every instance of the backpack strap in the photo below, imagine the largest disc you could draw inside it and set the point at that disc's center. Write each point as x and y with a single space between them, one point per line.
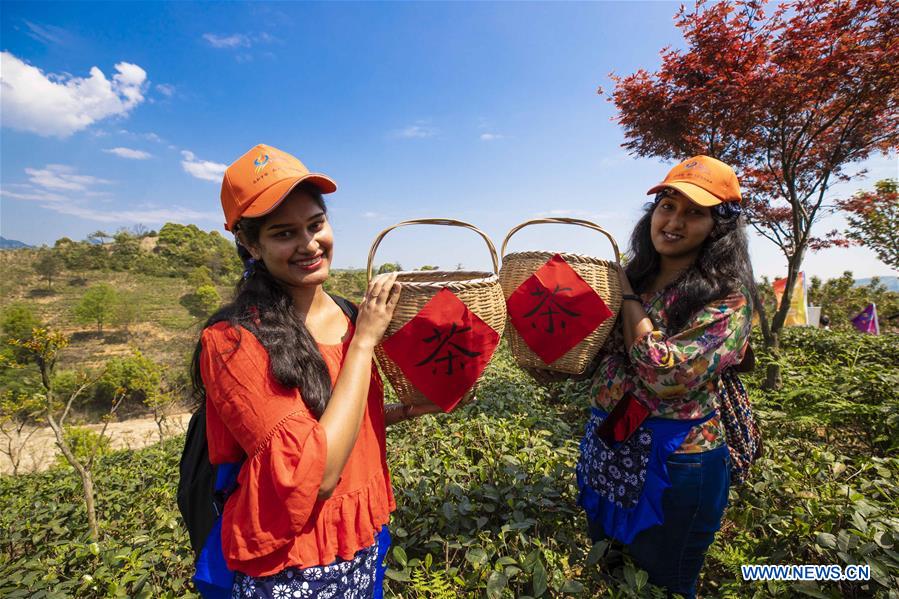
348 307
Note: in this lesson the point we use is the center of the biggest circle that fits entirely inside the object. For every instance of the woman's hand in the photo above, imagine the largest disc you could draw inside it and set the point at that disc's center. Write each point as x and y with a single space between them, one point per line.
377 308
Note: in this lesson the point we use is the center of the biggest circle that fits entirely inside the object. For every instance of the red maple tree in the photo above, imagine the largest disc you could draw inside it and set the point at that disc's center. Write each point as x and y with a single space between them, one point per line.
874 220
789 97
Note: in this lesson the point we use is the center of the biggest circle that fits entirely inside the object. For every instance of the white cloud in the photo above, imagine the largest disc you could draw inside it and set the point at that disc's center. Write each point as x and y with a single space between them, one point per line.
491 136
61 177
148 136
202 169
419 130
61 189
129 153
59 105
149 216
47 34
238 40
33 195
166 89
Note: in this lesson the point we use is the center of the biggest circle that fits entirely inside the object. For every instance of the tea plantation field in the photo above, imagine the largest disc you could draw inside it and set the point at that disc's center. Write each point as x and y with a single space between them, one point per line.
486 496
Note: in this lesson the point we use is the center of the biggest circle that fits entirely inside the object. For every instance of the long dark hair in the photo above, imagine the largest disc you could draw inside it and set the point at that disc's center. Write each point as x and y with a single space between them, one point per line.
262 306
721 268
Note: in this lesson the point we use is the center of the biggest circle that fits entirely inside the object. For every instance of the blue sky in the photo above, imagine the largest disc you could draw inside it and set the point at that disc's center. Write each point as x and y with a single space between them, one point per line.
117 114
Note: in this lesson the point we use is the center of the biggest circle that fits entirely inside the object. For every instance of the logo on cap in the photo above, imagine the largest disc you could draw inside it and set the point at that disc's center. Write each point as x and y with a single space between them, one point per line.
261 162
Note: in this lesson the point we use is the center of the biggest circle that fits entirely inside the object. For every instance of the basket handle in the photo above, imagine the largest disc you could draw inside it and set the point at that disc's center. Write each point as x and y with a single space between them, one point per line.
563 221
430 221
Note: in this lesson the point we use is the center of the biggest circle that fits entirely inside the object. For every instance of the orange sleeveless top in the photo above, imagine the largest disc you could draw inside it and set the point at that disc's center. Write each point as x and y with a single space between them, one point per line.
274 519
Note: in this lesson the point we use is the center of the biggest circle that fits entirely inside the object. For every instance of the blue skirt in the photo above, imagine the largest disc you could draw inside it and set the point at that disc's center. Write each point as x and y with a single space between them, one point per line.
359 578
621 487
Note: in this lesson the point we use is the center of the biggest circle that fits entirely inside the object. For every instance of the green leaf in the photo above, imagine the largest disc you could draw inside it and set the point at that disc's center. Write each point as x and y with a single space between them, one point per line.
496 583
399 554
572 587
398 575
476 555
630 575
539 581
641 578
826 540
597 551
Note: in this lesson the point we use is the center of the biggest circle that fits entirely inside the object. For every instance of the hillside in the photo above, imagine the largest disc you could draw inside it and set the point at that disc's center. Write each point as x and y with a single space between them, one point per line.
11 244
160 326
161 321
891 283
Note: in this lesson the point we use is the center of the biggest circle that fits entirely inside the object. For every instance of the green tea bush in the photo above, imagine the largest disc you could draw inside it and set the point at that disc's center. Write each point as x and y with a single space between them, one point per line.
144 550
486 501
842 383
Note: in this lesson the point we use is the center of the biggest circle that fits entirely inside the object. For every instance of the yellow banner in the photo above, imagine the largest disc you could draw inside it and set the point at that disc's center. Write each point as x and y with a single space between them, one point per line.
798 314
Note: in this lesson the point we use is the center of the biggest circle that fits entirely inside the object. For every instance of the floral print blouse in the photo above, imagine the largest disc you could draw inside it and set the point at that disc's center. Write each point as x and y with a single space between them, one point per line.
677 376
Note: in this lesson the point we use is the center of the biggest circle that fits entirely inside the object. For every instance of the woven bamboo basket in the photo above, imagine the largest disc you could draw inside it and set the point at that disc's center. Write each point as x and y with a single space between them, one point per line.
599 274
478 290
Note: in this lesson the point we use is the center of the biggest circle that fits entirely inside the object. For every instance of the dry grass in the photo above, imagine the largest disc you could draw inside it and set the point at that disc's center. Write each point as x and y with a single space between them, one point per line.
162 328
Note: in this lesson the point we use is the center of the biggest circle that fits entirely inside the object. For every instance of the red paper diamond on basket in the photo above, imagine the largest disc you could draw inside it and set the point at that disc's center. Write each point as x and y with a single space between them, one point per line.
443 349
555 309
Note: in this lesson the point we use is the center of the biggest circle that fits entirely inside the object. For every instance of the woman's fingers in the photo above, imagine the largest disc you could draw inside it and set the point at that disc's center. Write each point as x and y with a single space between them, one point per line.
380 288
394 296
383 292
374 287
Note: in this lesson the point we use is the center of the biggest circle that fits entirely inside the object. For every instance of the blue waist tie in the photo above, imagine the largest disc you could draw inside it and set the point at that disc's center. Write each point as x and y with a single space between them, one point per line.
621 487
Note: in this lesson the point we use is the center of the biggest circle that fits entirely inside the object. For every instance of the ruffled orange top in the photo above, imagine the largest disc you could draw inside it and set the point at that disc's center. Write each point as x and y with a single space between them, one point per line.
274 519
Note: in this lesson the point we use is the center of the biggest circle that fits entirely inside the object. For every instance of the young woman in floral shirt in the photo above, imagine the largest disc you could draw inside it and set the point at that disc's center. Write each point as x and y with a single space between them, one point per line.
654 466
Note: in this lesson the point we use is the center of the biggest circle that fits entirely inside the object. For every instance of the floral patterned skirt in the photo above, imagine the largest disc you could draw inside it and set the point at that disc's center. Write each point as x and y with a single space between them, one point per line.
359 578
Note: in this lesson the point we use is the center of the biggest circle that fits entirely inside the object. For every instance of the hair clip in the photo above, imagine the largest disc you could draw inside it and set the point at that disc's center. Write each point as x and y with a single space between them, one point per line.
249 268
728 209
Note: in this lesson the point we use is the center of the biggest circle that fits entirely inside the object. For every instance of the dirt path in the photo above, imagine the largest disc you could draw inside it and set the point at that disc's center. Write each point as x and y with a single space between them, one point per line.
40 452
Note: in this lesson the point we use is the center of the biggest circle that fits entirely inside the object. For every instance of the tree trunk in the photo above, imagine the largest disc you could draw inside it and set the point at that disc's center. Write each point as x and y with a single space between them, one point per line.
773 378
87 481
160 421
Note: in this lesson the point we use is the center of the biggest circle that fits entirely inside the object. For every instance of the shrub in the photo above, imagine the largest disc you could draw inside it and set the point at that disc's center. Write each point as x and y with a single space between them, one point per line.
202 302
97 305
486 502
18 321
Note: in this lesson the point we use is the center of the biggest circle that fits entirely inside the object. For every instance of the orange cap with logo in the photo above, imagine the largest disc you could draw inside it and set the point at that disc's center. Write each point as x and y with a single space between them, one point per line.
705 180
259 180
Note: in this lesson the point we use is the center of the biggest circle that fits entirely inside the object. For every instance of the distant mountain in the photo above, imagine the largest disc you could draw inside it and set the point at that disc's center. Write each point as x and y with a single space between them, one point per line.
892 283
11 244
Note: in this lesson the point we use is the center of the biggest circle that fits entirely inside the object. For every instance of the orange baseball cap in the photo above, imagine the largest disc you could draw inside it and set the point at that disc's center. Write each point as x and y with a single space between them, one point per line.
259 180
705 180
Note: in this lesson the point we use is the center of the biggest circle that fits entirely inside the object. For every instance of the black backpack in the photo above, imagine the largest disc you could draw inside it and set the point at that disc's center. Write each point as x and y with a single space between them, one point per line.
198 502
